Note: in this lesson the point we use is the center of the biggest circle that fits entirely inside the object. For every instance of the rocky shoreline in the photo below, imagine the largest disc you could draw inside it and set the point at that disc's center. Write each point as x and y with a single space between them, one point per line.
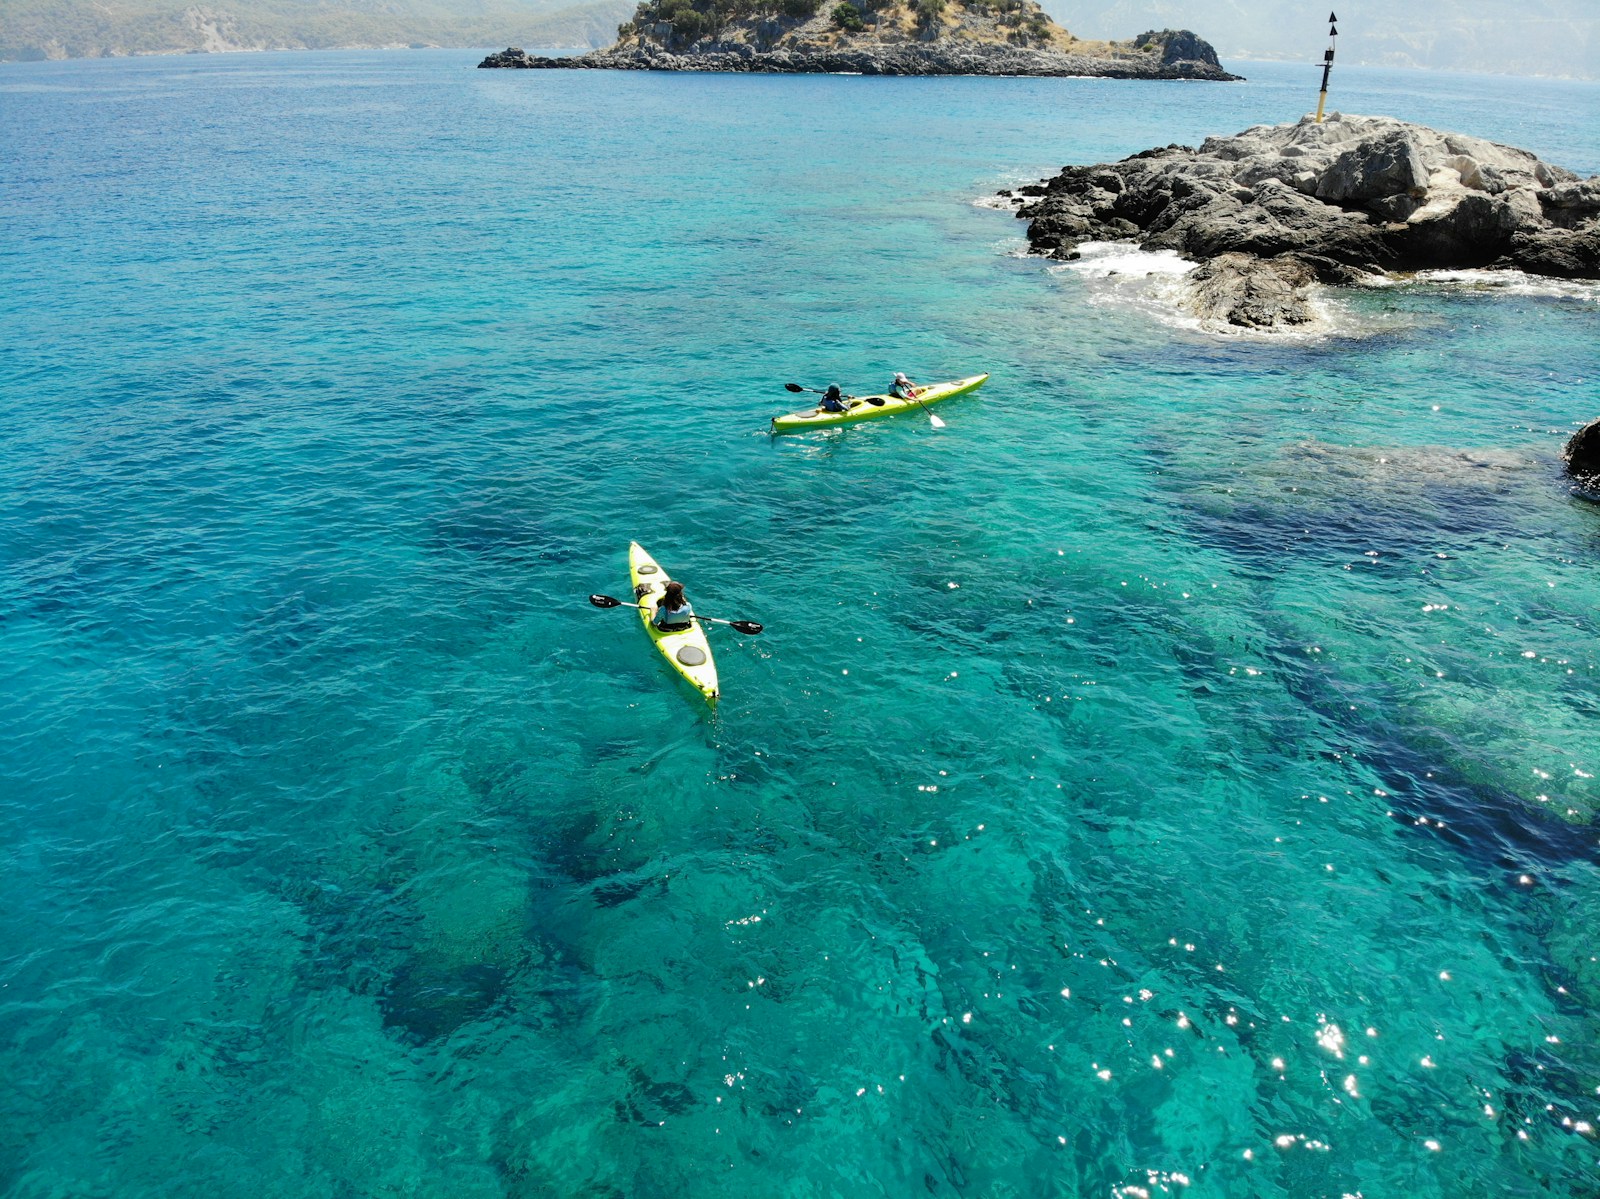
1277 209
1172 55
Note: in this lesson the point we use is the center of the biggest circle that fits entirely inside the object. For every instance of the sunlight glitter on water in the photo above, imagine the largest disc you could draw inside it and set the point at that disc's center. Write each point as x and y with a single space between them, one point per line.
328 806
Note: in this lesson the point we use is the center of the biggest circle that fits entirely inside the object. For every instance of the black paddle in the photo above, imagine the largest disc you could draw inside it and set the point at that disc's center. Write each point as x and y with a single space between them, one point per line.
875 401
743 626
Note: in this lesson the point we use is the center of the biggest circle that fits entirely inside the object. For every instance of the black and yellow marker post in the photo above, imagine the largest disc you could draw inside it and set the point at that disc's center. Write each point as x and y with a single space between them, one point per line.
1327 64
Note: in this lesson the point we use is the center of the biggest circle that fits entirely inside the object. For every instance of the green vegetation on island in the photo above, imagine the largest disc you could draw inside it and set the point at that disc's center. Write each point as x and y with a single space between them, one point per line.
678 25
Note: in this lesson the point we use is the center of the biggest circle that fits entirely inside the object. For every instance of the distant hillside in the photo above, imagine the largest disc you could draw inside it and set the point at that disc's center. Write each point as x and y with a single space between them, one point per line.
1532 37
41 29
1528 37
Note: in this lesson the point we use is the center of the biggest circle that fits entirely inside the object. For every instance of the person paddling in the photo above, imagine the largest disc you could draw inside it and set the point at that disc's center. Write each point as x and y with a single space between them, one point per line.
903 388
832 400
673 611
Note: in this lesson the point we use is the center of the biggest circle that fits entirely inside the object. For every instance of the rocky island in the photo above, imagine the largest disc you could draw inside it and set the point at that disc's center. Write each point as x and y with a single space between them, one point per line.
877 37
1274 210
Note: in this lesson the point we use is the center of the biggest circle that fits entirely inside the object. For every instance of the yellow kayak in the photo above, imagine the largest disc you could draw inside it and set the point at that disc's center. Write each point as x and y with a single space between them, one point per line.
864 408
688 651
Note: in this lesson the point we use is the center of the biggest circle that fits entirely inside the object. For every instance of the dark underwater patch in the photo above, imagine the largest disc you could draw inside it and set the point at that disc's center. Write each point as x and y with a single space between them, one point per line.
355 938
611 892
1494 829
424 1003
493 527
1333 502
1380 511
651 1103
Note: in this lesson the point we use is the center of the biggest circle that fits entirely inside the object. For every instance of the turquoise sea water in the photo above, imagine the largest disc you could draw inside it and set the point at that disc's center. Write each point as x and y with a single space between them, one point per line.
1175 776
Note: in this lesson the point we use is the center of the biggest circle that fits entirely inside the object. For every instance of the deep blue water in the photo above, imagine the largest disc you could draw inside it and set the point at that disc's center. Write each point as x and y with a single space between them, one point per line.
1177 773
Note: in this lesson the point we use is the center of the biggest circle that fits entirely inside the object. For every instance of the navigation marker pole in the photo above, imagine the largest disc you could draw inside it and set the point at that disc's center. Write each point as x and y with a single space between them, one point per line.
1327 65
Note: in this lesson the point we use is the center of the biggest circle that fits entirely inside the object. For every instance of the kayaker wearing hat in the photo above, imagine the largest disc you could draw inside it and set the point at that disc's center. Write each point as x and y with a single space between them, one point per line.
833 400
903 388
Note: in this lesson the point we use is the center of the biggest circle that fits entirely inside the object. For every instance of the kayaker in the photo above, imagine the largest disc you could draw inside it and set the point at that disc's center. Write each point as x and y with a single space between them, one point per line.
833 400
673 612
903 388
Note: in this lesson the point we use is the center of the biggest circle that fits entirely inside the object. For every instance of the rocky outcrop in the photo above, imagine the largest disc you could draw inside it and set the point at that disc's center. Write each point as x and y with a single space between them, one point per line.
1582 456
868 60
1182 49
1325 203
1253 293
934 37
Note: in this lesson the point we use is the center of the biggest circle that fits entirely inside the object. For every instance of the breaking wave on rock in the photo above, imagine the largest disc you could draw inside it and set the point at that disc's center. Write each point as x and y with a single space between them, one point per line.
1155 283
1105 259
1502 282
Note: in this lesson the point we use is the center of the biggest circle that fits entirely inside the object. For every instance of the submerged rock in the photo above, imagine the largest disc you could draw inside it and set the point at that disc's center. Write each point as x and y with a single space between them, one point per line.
1325 203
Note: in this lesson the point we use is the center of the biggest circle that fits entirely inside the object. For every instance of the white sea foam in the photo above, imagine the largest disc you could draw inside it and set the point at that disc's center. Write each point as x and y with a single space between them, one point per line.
1154 282
1011 183
1103 259
1501 283
1120 274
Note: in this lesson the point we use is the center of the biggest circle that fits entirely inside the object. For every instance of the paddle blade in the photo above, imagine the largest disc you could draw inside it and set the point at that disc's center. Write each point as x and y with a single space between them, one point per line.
605 601
935 421
793 387
746 626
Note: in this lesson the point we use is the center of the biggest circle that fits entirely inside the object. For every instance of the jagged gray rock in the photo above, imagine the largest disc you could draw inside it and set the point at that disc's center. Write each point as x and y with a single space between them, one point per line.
1386 165
1350 195
1250 292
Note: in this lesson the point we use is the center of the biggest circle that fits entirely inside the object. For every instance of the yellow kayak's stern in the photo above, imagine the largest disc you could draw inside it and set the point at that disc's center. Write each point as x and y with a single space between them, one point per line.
688 651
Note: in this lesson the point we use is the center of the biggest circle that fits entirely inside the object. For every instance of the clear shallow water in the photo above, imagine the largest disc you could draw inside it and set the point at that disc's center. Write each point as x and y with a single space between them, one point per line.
347 851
